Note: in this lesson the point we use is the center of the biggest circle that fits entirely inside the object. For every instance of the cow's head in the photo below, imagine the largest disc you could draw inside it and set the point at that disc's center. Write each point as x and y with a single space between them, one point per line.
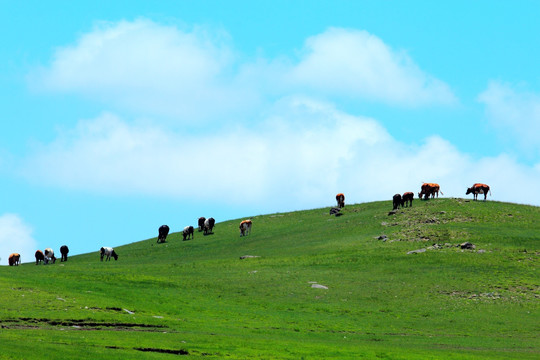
469 190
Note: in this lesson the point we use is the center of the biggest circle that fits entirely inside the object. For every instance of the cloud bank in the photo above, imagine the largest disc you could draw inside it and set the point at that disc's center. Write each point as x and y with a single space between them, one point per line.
302 154
197 74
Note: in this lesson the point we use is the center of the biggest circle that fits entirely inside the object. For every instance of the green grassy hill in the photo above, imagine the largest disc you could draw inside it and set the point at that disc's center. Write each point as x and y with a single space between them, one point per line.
320 286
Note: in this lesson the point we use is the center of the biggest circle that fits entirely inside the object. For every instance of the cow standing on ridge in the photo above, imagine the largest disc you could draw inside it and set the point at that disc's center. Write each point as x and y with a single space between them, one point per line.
478 189
428 189
187 233
407 199
340 198
396 201
163 231
64 250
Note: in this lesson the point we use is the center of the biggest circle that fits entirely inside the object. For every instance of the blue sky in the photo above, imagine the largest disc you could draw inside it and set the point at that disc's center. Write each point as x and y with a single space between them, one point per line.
120 117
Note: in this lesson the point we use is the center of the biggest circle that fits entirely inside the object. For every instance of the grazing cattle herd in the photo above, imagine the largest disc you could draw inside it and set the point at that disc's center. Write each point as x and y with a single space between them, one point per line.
206 226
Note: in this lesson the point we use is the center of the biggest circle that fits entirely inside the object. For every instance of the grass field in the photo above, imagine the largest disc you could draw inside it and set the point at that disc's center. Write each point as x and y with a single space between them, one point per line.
198 299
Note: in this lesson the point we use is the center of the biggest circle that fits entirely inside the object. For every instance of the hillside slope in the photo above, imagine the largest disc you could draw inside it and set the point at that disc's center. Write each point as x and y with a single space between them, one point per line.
364 284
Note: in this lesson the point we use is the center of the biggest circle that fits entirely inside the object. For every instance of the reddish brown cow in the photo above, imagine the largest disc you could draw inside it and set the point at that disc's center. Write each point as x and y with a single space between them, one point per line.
478 189
428 189
14 259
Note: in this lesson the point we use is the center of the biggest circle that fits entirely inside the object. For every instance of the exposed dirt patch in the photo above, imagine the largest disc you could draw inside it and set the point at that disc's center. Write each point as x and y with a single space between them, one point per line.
164 351
76 324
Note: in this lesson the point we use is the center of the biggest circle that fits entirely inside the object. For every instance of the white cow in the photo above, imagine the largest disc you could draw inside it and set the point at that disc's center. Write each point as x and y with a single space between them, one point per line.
209 225
187 233
108 252
49 256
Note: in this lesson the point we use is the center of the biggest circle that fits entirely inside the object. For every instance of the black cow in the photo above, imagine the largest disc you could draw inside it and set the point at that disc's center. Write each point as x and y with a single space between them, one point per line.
64 250
163 232
209 225
396 201
407 197
39 257
202 219
340 198
188 232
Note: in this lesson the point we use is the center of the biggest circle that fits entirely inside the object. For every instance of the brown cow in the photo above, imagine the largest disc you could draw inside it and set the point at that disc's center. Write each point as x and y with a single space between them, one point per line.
39 257
245 227
407 197
340 198
429 189
14 259
478 189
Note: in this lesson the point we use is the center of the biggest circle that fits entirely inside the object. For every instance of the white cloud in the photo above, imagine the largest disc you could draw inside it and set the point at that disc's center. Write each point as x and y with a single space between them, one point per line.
515 113
16 237
359 64
148 67
196 75
299 157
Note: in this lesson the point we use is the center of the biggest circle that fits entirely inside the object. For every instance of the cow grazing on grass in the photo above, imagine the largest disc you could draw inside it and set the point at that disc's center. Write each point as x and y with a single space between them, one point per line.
200 222
209 226
49 256
39 257
245 227
396 201
107 252
340 198
163 231
428 189
64 250
14 259
187 233
478 189
407 199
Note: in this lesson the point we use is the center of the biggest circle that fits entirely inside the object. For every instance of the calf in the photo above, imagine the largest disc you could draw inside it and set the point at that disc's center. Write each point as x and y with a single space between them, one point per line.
407 197
245 227
64 250
108 252
39 257
49 256
209 226
188 232
14 259
396 201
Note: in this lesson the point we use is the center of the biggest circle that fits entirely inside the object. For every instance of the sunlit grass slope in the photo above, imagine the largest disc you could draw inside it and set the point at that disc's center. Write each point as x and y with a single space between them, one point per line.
198 299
